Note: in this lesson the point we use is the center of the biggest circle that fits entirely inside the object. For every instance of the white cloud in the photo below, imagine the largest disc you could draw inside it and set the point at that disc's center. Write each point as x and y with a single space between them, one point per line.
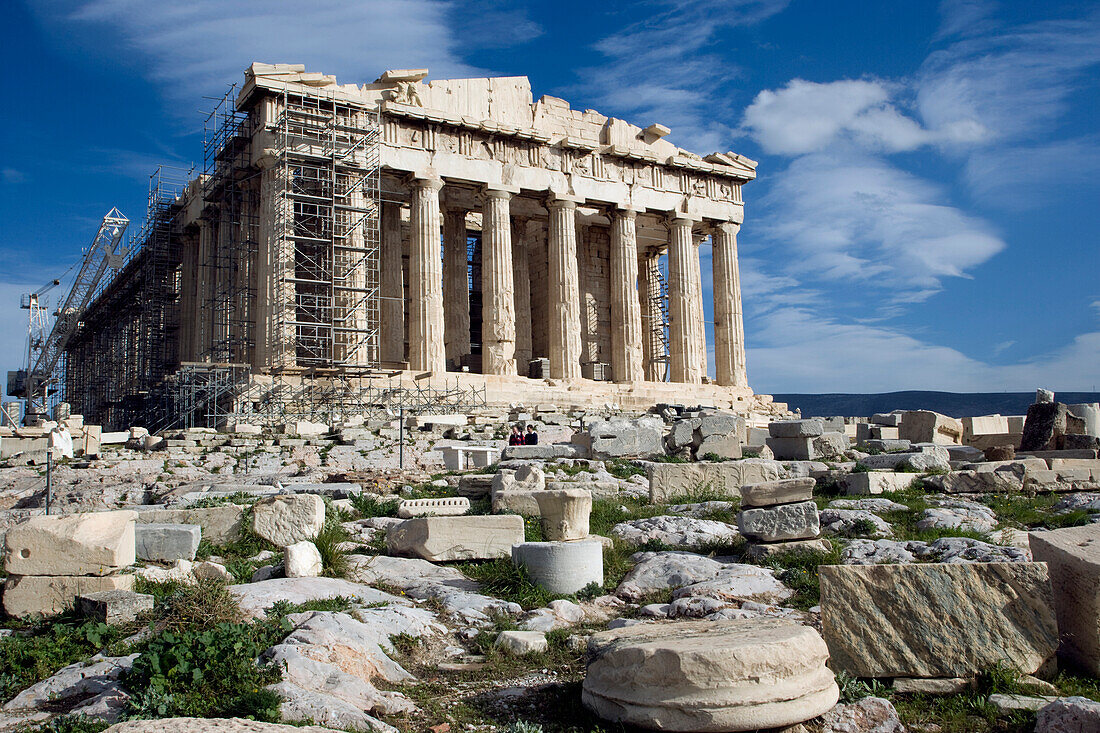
806 117
849 217
965 17
195 48
11 175
798 350
1013 83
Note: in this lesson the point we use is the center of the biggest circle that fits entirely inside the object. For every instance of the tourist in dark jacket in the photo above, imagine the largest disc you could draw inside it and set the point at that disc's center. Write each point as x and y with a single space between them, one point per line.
532 438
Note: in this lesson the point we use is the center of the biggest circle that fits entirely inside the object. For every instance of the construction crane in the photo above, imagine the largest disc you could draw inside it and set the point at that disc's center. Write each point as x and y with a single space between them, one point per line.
44 353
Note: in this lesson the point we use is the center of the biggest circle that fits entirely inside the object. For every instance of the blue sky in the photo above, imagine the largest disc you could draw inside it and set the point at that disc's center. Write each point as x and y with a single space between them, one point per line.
926 212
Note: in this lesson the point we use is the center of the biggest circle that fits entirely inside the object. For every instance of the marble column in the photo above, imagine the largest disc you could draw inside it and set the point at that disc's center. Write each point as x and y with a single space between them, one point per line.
564 300
498 320
391 285
426 351
649 298
699 318
626 314
521 281
456 286
729 329
684 289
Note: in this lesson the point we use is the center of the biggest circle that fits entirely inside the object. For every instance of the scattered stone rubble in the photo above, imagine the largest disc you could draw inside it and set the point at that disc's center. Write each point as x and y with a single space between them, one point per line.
707 608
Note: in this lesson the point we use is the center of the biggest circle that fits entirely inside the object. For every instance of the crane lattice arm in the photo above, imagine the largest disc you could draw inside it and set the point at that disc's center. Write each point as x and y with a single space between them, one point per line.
103 251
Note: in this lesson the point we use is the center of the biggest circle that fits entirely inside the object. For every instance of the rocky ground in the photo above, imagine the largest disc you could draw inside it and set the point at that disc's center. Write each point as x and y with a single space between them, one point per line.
364 640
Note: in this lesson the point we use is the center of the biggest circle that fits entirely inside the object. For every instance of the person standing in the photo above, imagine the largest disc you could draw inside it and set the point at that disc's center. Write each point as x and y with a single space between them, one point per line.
532 438
516 438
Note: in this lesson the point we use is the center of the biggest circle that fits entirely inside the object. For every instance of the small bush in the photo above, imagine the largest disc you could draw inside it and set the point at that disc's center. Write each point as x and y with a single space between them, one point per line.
209 673
202 605
502 579
624 469
369 505
334 560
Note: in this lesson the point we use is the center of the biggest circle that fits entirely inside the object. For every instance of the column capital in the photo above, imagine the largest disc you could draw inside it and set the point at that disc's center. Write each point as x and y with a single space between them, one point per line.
679 218
433 182
622 211
726 227
562 201
499 191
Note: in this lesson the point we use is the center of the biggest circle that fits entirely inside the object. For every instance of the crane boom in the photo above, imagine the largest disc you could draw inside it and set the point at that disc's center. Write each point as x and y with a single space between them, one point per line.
103 251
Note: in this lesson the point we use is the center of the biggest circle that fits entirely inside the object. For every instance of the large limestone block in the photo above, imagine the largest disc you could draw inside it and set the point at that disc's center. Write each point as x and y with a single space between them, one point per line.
456 538
46 595
925 426
513 490
1073 557
784 491
875 482
71 544
288 518
796 428
780 523
167 542
937 619
623 438
709 676
564 513
220 524
668 480
792 449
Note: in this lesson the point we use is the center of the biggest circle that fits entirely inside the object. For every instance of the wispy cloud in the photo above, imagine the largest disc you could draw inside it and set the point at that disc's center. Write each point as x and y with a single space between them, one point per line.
11 175
197 47
664 69
852 217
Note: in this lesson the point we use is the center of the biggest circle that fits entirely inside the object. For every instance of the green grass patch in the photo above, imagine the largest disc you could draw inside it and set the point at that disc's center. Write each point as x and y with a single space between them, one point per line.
1033 512
334 559
621 468
38 650
369 505
797 570
501 579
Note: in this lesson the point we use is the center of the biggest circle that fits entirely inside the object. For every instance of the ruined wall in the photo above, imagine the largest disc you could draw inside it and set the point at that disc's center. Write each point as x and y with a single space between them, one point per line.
594 266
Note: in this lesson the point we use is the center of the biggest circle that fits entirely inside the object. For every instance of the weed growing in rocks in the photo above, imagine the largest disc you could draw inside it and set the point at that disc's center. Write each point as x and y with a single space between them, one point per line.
201 605
369 505
1026 512
34 653
797 570
624 469
501 579
334 559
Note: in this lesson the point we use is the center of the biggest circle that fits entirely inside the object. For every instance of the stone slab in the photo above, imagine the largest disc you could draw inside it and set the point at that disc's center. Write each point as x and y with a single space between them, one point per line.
937 619
114 606
796 428
46 595
669 480
783 491
456 538
167 542
220 524
1073 557
97 543
869 483
780 523
792 449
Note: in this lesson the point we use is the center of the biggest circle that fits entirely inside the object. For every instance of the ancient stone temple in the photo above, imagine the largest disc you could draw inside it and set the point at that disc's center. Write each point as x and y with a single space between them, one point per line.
422 235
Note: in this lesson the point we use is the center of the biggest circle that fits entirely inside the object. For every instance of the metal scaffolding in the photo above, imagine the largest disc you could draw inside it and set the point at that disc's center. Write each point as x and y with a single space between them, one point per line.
230 239
217 395
326 233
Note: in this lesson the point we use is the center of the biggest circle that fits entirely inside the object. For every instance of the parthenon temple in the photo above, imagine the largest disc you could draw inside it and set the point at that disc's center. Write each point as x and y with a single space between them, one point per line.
414 235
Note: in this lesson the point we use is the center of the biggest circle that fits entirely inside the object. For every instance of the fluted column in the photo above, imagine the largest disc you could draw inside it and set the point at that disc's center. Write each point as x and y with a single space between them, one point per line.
456 286
697 304
521 282
649 297
626 314
729 329
392 285
498 320
684 290
564 297
426 352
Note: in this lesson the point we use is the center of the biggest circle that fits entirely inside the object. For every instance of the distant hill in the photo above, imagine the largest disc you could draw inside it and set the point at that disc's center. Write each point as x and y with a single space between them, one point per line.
955 404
